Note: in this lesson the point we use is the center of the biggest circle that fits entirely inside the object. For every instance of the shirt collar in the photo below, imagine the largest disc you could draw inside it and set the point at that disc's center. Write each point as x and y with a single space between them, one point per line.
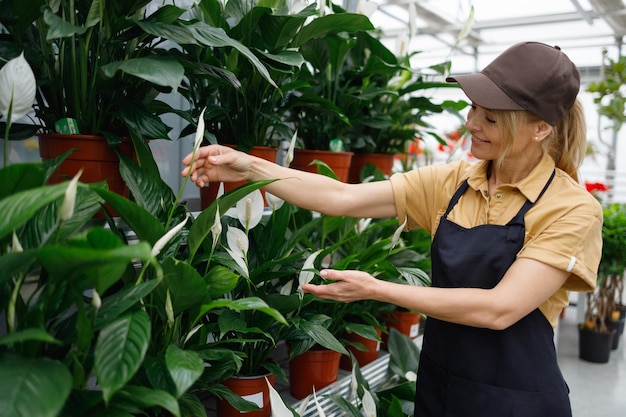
530 186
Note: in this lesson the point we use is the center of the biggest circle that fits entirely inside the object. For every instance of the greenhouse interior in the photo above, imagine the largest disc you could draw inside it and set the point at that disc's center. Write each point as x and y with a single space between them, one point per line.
131 286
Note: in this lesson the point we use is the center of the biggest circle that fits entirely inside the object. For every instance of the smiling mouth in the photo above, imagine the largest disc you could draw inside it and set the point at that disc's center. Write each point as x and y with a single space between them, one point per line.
477 140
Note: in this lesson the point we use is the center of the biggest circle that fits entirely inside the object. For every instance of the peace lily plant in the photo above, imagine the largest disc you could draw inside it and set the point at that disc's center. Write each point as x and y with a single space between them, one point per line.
17 94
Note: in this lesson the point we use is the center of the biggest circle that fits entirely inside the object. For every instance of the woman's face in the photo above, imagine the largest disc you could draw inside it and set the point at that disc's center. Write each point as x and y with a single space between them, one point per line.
487 140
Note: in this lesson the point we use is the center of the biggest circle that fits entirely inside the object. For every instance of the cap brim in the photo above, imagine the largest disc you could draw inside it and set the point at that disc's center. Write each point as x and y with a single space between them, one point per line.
482 91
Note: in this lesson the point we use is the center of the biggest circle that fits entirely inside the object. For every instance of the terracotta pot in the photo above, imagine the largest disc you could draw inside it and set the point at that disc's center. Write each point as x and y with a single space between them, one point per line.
313 368
253 389
594 346
405 322
339 162
209 194
363 357
93 154
384 162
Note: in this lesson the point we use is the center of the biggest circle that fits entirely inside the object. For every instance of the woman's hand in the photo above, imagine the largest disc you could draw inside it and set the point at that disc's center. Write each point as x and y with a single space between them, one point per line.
215 163
348 286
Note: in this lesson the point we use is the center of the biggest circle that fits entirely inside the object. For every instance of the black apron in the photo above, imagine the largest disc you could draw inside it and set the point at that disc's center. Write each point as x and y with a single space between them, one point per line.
475 372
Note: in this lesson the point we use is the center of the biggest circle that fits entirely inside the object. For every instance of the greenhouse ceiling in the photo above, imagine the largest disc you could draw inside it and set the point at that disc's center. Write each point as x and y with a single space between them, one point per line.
584 29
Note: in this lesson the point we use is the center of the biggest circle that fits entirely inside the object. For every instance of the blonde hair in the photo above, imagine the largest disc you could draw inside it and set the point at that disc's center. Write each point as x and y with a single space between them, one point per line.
566 143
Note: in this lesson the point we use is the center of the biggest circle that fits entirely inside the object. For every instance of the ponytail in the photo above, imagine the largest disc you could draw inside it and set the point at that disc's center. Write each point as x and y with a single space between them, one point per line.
567 143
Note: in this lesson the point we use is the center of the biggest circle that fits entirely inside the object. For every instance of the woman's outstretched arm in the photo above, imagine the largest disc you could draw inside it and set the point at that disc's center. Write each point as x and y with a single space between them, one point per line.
215 163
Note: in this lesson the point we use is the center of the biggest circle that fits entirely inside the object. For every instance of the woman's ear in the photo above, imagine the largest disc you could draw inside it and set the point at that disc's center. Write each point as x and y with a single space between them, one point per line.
543 130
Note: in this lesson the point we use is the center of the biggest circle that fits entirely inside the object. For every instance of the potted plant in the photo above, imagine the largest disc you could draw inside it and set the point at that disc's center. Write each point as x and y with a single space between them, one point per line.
601 303
99 74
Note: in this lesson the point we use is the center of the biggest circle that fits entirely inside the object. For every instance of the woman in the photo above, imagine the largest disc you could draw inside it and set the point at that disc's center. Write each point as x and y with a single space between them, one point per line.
512 234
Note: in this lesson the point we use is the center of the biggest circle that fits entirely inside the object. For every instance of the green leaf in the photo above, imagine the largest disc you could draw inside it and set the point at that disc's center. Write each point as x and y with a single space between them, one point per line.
18 208
15 263
404 353
219 281
248 303
166 72
144 224
185 367
20 177
65 263
121 301
332 23
28 334
32 387
217 37
186 286
148 398
120 350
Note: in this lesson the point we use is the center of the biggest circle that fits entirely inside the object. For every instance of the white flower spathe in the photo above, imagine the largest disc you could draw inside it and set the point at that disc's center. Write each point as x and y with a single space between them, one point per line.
17 88
199 131
66 211
216 229
396 235
306 274
160 244
273 202
369 406
250 209
237 241
291 149
279 409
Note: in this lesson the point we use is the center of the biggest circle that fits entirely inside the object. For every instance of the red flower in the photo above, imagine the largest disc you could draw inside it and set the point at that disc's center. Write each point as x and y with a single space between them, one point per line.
593 187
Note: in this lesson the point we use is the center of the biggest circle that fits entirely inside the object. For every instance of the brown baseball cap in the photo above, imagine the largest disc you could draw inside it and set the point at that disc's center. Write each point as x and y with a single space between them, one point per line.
529 76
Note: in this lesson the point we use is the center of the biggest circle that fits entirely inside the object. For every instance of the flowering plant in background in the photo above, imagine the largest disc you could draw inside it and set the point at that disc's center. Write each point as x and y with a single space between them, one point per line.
17 94
597 189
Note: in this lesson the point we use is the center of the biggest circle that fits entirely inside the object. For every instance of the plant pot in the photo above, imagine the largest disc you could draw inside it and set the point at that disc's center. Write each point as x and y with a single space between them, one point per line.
93 154
363 357
594 346
405 322
339 162
313 369
618 327
384 162
253 389
209 194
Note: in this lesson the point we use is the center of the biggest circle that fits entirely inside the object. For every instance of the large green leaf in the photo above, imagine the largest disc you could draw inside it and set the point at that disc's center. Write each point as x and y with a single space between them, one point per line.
121 301
185 285
185 367
148 190
32 387
120 350
321 335
248 303
149 398
66 263
140 221
14 263
220 280
163 71
28 334
217 37
332 23
16 209
20 177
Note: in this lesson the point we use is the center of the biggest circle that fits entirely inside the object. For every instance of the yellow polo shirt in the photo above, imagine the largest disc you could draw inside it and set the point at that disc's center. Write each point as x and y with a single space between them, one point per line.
563 229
